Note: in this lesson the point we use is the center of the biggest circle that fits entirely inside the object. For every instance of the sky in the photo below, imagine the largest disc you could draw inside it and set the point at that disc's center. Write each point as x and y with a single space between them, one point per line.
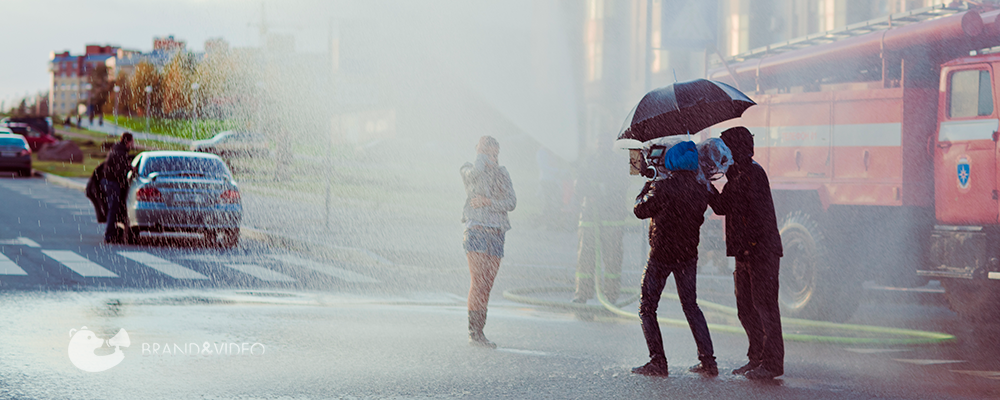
512 55
46 26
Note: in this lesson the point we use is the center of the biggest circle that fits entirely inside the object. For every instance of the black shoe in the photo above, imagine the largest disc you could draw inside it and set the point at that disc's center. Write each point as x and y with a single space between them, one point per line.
478 339
746 368
761 373
705 369
652 368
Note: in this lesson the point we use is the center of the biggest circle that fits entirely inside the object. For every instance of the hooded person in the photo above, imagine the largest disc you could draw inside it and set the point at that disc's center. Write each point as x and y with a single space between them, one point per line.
676 205
752 238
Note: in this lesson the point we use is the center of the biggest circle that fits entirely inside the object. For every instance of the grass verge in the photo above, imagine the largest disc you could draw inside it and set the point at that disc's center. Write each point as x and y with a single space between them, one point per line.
180 128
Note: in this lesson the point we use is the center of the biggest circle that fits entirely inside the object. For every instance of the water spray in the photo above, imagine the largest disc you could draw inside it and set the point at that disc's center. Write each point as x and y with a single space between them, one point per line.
903 336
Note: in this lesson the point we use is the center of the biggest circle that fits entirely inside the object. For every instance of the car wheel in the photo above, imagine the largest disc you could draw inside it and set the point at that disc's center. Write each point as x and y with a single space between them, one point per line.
811 284
132 235
974 300
231 238
24 172
211 238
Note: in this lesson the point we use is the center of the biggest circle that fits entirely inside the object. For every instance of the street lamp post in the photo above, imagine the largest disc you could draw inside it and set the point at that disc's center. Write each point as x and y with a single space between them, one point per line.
194 105
116 89
149 91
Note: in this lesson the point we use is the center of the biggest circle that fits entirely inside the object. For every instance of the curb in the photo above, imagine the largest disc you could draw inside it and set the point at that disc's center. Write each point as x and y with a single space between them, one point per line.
359 255
61 181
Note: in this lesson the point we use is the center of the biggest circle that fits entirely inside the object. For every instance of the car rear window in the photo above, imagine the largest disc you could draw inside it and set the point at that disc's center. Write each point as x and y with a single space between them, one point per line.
11 141
206 166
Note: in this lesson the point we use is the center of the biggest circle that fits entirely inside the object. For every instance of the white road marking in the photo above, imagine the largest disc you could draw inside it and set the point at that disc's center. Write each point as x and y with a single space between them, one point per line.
874 351
994 275
983 374
21 241
79 264
261 273
170 269
326 269
928 362
8 267
525 352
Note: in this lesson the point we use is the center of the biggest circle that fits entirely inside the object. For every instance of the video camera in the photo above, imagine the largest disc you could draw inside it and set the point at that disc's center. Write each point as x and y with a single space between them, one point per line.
649 162
713 159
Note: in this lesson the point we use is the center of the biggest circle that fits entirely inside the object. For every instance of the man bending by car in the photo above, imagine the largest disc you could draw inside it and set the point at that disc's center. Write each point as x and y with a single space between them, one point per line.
116 169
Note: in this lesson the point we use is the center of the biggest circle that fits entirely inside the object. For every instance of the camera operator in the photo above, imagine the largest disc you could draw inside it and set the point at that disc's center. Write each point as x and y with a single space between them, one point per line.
676 203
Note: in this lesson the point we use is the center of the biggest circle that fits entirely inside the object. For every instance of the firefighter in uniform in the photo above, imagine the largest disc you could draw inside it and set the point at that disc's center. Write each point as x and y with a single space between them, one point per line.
603 187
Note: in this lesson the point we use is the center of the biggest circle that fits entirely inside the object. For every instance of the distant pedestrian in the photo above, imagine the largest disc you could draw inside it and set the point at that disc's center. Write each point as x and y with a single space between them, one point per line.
116 169
489 197
602 185
752 237
676 205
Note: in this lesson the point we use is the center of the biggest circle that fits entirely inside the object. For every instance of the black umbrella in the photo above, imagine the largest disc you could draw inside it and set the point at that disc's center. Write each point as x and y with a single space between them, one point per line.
683 107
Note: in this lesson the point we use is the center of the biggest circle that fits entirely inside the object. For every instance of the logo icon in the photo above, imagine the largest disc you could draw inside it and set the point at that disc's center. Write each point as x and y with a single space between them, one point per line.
964 172
82 344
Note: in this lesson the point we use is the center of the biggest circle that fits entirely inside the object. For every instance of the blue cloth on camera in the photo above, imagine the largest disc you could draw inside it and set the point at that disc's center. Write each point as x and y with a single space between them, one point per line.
682 157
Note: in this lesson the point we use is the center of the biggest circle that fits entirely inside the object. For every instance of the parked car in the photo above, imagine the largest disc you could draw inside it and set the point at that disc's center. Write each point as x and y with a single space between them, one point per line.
35 138
235 145
15 154
183 191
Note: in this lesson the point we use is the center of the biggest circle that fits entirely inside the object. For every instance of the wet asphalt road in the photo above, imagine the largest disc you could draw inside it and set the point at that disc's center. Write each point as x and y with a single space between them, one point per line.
317 327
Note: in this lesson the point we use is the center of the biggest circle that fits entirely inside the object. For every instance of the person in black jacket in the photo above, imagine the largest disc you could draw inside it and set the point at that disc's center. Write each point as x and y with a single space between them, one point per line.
677 207
116 169
752 237
96 194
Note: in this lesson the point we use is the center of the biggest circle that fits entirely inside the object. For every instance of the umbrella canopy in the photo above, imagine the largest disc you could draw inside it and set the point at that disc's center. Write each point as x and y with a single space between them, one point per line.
683 107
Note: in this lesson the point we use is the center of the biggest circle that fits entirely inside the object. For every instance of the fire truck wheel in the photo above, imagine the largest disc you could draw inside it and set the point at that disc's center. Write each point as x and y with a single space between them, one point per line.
812 284
974 301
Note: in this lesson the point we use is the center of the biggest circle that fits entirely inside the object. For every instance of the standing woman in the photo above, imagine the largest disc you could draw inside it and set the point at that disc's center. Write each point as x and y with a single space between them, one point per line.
489 197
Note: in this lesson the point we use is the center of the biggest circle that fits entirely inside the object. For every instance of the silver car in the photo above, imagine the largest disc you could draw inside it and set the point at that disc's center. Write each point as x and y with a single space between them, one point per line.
235 145
15 155
183 191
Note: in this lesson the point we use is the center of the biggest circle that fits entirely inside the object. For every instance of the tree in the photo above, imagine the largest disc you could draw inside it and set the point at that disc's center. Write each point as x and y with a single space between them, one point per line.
100 87
177 79
135 90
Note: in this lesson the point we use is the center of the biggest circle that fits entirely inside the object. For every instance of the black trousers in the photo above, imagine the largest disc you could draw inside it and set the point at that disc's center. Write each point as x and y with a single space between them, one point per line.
757 304
654 278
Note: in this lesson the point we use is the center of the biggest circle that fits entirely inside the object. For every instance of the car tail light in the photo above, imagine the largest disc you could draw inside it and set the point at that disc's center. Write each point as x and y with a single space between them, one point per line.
24 152
230 196
149 194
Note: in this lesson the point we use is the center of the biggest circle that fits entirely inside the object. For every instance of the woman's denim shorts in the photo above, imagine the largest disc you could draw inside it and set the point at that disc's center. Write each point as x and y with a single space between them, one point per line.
485 240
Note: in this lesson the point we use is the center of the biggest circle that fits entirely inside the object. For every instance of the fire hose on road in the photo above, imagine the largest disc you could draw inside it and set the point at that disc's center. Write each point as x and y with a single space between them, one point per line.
885 335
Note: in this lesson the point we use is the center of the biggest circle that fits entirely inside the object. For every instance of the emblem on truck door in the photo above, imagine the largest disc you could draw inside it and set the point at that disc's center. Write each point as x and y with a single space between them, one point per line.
963 173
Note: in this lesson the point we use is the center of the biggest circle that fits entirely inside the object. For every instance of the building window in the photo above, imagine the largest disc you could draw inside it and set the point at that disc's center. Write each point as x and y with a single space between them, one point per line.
656 35
594 39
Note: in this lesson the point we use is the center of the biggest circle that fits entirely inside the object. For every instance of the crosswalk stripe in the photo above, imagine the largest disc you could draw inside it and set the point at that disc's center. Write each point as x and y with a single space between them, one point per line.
261 273
79 264
326 269
20 241
8 267
170 269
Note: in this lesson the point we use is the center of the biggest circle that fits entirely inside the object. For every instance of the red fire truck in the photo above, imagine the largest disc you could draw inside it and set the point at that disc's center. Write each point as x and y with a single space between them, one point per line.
880 142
